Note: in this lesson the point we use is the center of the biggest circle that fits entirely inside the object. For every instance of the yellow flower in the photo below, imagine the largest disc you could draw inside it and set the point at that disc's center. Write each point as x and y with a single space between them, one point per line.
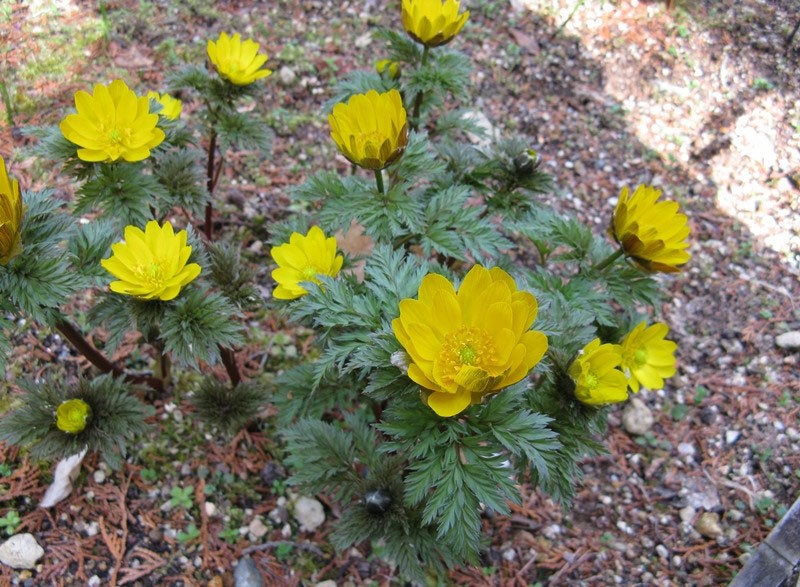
433 22
304 258
170 107
370 130
111 124
652 233
72 415
647 357
464 345
11 211
237 61
390 67
596 376
151 264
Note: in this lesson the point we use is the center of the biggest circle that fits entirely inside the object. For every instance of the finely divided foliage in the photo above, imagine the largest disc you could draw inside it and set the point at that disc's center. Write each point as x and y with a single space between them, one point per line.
470 345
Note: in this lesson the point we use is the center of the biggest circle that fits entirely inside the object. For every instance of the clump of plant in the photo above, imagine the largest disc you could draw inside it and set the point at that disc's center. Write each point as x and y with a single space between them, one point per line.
448 374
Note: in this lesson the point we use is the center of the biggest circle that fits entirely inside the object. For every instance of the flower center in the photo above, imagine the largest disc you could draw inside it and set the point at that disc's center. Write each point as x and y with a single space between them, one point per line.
640 356
371 137
152 274
115 135
310 273
590 380
467 345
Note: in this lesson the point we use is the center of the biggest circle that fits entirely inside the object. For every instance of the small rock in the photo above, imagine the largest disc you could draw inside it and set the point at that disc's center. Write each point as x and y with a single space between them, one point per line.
687 514
364 40
326 583
637 417
480 120
257 529
211 509
788 340
732 436
662 551
246 574
552 531
287 76
708 525
94 581
99 476
309 513
687 449
509 554
21 551
272 472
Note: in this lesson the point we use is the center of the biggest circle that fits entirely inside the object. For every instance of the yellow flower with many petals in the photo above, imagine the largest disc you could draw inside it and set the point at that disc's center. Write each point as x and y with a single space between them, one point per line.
72 415
651 233
304 258
433 22
468 343
647 357
596 375
111 124
11 212
151 264
370 130
170 107
237 61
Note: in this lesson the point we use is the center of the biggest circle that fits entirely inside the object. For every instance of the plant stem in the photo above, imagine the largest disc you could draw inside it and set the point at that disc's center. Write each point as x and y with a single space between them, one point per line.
96 358
379 181
419 96
229 360
609 260
212 148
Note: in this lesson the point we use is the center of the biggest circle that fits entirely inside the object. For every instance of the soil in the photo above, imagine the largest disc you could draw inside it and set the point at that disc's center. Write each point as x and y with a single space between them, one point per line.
701 99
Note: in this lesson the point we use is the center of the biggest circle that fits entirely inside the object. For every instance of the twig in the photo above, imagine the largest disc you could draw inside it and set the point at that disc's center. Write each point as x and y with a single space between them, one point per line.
200 497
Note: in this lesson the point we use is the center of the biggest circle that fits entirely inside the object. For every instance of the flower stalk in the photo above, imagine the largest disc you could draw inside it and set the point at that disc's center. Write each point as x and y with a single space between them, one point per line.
608 260
379 181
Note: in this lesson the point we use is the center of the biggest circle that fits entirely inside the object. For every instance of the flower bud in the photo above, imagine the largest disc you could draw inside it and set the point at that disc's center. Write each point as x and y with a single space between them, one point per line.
72 416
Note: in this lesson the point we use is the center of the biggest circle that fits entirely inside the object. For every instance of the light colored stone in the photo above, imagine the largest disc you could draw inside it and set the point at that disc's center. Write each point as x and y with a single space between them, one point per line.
326 583
309 513
480 120
708 525
256 528
732 436
637 418
364 40
687 449
21 551
287 76
687 514
788 340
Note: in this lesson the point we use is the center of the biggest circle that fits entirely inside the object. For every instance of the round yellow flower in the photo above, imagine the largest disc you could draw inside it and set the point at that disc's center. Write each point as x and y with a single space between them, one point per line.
596 376
237 61
112 124
151 264
647 357
72 416
433 22
170 107
464 345
304 258
370 130
11 211
651 233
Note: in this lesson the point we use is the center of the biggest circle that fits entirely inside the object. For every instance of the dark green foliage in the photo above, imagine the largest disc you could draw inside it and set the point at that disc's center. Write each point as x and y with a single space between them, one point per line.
117 418
113 312
196 324
39 280
183 181
239 131
228 409
88 245
123 192
231 275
